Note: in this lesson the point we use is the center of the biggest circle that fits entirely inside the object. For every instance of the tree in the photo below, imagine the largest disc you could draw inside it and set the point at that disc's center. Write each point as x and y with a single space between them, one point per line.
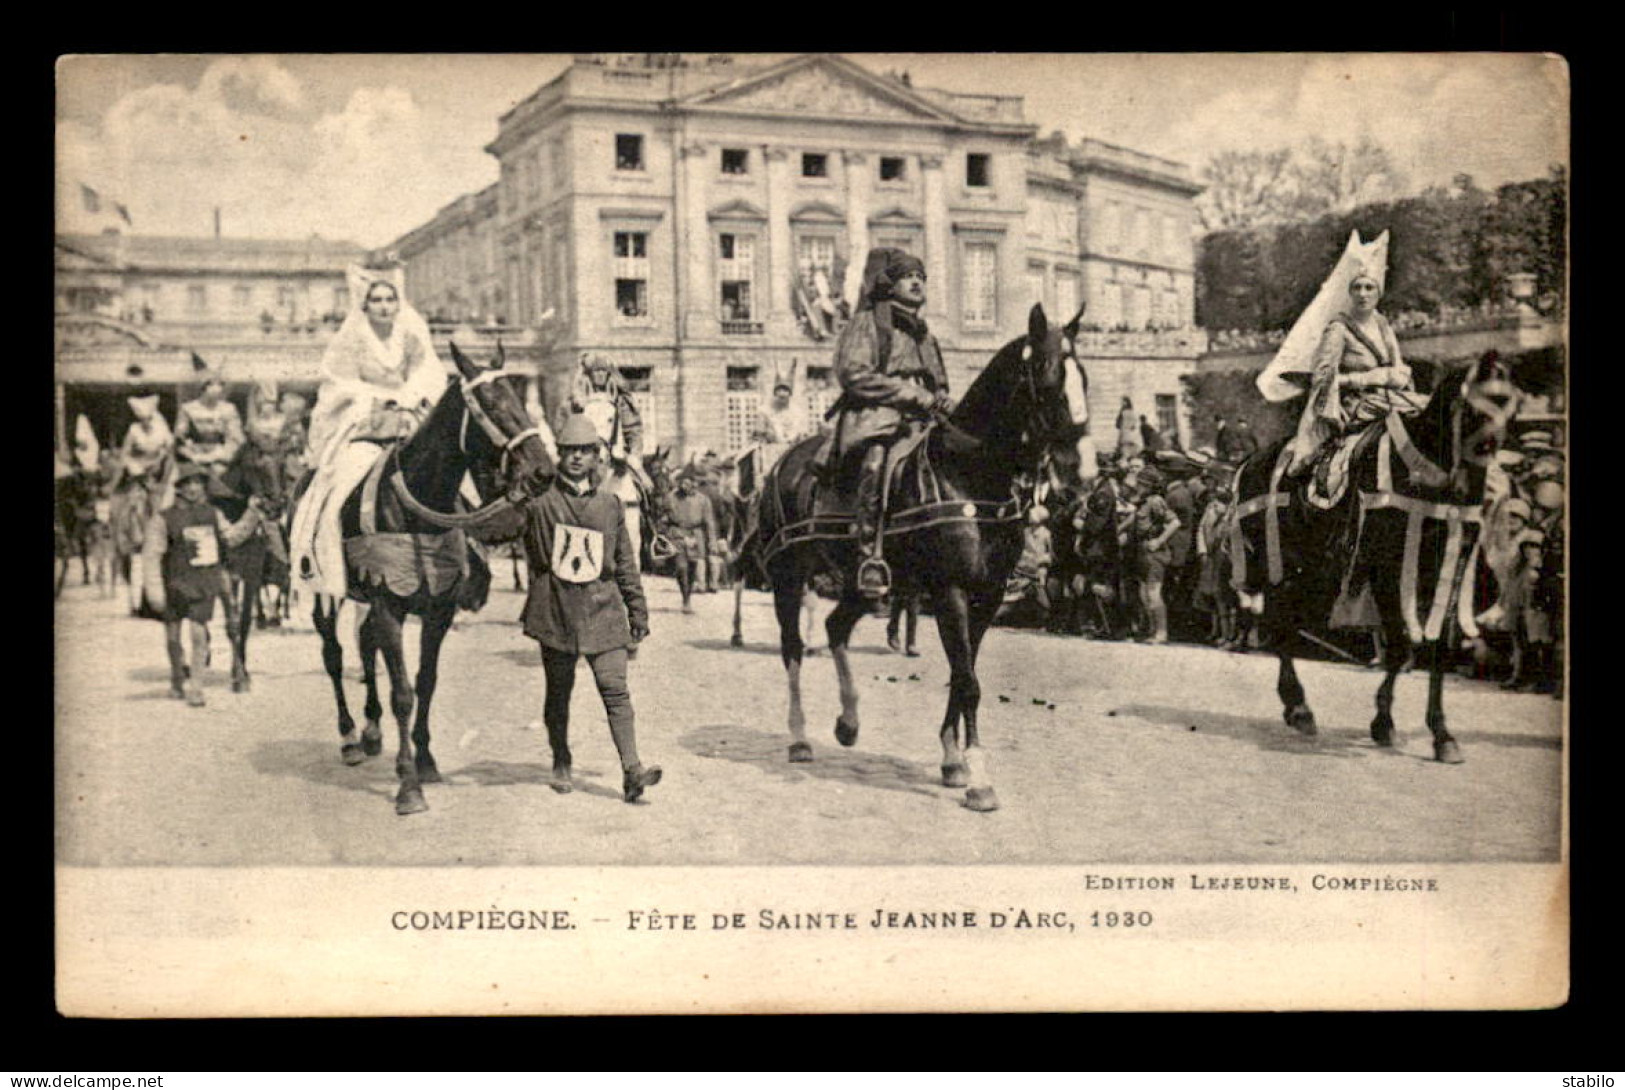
1233 395
1340 177
1245 188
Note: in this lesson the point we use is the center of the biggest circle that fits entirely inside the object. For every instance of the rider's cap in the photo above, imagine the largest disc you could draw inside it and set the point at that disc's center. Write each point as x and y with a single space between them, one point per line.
577 432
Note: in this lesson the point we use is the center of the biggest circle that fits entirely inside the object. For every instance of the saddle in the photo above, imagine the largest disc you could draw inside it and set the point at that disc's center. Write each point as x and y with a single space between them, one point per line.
1329 475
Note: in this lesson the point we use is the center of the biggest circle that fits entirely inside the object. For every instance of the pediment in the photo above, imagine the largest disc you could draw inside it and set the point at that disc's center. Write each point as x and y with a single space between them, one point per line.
823 87
737 210
817 212
895 217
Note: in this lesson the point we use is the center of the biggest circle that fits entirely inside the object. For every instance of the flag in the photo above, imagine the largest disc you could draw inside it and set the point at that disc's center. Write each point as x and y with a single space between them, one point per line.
93 200
124 214
198 363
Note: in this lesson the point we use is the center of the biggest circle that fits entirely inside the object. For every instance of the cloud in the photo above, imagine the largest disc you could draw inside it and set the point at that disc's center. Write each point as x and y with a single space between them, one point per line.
246 139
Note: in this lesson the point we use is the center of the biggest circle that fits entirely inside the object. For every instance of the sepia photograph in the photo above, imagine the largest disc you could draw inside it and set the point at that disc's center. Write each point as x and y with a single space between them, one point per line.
855 532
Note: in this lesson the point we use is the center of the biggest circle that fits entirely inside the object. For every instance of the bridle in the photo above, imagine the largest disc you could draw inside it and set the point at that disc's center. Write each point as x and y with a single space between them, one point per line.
504 506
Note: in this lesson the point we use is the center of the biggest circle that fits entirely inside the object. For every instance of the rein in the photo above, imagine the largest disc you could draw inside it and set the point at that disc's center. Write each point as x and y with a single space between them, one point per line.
499 509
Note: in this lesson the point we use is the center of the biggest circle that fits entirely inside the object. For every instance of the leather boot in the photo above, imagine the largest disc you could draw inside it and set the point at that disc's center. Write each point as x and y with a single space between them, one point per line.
874 576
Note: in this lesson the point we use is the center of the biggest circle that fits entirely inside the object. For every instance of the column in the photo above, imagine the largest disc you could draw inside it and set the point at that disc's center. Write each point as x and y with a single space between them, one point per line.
692 236
937 238
857 223
781 259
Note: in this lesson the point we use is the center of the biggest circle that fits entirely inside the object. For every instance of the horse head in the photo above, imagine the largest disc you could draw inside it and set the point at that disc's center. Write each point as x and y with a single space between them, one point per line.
1471 411
1035 391
505 442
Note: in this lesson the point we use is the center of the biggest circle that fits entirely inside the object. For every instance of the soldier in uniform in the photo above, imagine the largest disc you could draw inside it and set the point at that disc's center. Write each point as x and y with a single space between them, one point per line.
892 380
693 530
184 573
585 600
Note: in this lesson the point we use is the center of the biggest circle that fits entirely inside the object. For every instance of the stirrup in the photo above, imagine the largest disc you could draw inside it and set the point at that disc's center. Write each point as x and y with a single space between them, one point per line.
874 579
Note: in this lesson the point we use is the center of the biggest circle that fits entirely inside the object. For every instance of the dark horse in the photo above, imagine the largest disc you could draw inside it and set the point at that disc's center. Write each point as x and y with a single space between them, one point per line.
1027 403
479 427
258 470
1405 533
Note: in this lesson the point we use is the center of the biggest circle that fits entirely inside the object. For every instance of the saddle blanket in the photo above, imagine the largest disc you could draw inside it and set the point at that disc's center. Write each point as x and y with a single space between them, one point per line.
404 562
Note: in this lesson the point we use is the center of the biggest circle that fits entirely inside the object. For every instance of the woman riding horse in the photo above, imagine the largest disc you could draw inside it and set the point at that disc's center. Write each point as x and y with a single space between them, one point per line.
380 375
141 485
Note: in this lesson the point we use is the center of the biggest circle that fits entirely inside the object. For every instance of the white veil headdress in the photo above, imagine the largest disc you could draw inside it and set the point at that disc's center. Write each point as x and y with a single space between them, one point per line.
355 349
1296 356
87 450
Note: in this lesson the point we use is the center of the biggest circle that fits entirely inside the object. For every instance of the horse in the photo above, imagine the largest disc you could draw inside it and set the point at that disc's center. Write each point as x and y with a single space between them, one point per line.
136 498
83 511
1405 530
257 470
1026 407
479 427
753 465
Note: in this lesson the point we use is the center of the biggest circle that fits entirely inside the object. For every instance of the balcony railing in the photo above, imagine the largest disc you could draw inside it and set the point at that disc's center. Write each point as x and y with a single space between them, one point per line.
739 328
1148 343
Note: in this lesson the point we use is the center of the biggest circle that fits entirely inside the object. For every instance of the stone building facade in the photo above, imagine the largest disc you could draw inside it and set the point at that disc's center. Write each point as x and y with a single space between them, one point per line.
704 222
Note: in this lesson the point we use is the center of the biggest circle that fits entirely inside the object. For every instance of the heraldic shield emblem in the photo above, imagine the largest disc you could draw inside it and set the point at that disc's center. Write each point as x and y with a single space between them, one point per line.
578 553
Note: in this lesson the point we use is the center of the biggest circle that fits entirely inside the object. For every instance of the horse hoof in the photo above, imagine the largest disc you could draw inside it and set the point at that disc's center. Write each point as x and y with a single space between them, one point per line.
410 801
845 734
1448 752
352 754
1382 734
1301 719
736 641
800 753
981 799
195 698
372 740
428 771
955 775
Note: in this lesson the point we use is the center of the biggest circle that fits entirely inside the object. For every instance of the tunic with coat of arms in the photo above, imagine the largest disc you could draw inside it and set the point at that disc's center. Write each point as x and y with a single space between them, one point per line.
585 595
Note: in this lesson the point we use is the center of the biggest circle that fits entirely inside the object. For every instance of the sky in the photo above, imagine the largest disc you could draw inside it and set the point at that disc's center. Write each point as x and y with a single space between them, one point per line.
365 147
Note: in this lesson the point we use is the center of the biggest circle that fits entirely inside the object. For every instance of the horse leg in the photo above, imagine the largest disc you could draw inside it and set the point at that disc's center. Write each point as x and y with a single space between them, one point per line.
1395 645
838 627
1445 748
435 626
239 611
1281 624
326 623
979 793
372 734
953 625
787 608
738 639
383 631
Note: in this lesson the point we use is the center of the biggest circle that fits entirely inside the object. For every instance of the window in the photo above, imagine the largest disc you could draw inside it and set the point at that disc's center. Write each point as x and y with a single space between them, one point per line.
736 272
242 298
1035 285
628 151
197 297
1142 232
632 274
743 408
735 161
821 392
640 389
980 288
1169 317
1170 245
1112 228
893 169
1139 307
1168 415
814 165
1066 296
978 168
1111 305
